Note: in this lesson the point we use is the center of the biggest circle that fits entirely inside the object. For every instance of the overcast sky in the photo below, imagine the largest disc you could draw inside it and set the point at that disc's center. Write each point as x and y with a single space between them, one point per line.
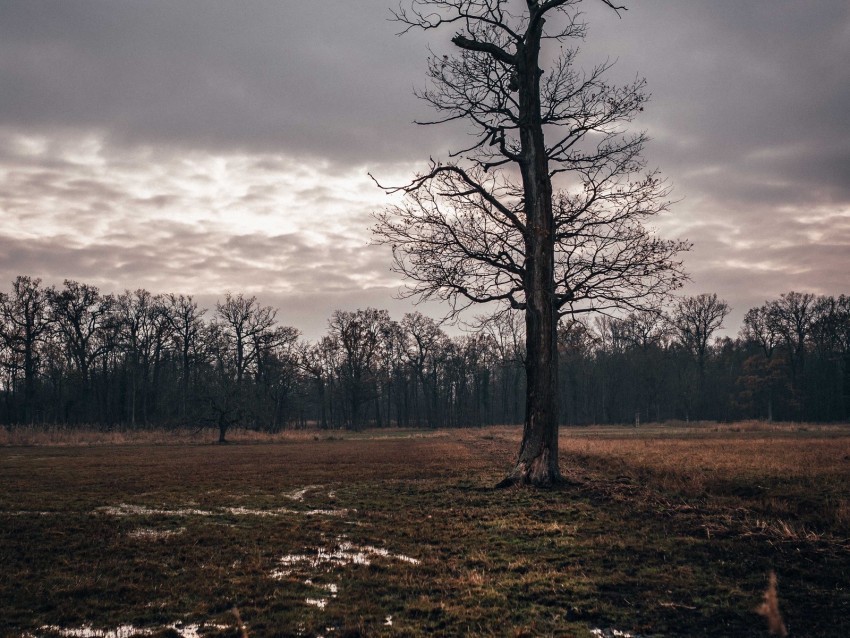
208 146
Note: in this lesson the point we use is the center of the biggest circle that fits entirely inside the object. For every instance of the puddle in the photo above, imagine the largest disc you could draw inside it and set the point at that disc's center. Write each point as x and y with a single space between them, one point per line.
150 533
123 631
613 633
331 588
344 553
389 621
325 559
140 510
298 495
128 631
124 509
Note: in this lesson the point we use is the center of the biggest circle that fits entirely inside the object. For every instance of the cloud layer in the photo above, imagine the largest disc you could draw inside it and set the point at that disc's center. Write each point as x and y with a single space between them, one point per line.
204 147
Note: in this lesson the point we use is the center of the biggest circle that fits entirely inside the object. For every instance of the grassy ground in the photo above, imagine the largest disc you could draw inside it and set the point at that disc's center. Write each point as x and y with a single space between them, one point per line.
661 531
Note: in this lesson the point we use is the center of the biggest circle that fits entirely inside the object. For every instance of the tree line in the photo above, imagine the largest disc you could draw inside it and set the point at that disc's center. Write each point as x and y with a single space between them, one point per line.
72 355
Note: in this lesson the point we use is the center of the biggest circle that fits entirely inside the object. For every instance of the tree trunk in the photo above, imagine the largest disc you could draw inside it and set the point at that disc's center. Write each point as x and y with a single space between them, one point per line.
222 429
537 464
29 381
322 413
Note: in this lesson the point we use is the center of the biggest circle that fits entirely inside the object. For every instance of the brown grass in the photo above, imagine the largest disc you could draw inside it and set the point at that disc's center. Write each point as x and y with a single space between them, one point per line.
74 436
659 532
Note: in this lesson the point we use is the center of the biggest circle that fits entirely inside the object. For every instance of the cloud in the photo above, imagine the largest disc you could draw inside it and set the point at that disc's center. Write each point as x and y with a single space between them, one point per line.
272 76
202 147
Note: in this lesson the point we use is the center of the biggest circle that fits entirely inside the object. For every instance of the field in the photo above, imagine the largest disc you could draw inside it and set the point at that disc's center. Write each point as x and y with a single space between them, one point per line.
660 531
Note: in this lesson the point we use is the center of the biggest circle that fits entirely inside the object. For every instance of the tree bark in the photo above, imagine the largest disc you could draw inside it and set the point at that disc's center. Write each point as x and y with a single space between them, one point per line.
537 464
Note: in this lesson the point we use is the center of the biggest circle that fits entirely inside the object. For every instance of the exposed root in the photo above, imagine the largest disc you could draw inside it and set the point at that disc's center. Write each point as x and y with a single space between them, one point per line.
538 474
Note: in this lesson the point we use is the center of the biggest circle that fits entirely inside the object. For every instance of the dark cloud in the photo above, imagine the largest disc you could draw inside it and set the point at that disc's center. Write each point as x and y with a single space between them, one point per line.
294 76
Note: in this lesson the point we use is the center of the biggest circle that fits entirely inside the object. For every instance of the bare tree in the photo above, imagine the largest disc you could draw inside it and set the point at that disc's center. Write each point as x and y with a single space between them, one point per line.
759 329
320 361
85 319
425 344
695 319
186 325
791 317
358 335
489 225
24 322
243 321
237 335
143 330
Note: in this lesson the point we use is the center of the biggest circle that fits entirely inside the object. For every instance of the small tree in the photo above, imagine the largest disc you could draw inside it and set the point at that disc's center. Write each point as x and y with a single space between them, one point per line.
543 212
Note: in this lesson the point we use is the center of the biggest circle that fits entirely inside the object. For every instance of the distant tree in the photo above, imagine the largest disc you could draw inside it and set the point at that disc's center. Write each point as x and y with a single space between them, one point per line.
426 343
781 326
144 327
507 330
825 376
758 328
470 232
695 320
222 398
392 368
647 336
24 323
243 321
85 319
186 321
320 361
791 317
276 374
358 335
242 328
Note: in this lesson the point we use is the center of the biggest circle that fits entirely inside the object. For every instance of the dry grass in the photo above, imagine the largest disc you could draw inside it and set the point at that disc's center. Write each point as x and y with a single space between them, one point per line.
659 532
73 436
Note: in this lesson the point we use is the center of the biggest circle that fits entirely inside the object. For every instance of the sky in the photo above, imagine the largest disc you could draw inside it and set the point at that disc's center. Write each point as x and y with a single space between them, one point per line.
207 146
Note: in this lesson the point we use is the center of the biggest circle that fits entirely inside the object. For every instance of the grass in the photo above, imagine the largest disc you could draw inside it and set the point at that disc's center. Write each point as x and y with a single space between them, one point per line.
660 531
